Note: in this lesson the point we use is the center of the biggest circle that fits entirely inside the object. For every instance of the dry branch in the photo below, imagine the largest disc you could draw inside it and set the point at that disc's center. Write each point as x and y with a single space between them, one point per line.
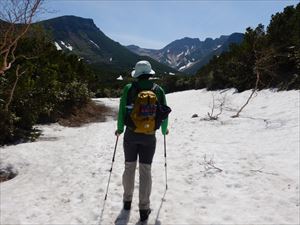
249 98
209 166
221 104
261 171
16 17
12 91
258 62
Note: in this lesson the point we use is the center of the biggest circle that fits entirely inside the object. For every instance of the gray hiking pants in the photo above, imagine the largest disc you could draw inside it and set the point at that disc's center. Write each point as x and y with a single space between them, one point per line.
140 146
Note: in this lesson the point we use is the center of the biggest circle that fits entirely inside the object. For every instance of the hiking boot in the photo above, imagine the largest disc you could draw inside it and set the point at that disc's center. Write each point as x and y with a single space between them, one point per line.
127 205
144 214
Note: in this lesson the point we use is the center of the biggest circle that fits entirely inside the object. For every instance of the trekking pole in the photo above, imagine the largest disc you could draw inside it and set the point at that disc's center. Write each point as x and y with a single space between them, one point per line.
110 171
165 149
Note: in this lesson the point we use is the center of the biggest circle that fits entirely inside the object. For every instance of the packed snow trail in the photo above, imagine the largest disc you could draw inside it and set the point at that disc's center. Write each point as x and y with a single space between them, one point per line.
63 175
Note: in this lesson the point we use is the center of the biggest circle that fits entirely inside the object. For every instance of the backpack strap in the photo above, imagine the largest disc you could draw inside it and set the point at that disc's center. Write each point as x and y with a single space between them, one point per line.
136 85
134 89
155 87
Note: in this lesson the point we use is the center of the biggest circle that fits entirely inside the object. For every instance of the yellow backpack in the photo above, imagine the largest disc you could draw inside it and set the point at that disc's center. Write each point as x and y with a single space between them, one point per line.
144 112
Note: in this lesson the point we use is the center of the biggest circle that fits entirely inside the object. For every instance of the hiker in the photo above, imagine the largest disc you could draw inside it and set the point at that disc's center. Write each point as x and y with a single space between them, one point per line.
139 137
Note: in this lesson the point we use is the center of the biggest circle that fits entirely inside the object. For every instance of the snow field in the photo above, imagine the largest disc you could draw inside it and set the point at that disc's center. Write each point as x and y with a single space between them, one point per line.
63 176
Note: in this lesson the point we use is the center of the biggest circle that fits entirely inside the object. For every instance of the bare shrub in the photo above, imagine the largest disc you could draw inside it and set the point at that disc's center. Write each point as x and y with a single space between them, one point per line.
209 166
219 105
261 171
16 17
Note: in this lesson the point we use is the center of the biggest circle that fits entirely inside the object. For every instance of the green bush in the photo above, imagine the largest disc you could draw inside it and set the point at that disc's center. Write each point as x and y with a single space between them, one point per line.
52 86
272 53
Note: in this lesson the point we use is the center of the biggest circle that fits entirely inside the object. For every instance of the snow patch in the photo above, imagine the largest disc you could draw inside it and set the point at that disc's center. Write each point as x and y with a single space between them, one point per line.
94 44
57 46
187 52
189 64
182 68
63 175
180 54
68 46
186 66
219 46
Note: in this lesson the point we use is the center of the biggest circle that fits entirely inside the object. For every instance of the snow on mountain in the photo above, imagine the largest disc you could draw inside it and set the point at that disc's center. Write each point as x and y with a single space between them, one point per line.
232 171
180 52
182 68
186 66
94 44
187 52
120 77
57 46
68 46
219 46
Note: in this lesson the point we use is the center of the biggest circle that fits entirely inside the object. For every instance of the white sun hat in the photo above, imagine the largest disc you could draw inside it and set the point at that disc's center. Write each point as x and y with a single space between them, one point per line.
142 67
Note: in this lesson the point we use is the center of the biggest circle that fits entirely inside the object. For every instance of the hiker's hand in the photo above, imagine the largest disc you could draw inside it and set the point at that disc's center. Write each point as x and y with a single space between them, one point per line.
117 133
167 131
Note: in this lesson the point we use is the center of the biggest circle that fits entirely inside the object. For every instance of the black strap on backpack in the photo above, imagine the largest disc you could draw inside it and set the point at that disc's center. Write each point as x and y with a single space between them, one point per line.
135 89
131 95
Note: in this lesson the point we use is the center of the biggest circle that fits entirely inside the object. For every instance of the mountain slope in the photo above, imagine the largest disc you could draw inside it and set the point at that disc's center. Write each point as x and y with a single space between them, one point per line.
235 38
83 38
187 54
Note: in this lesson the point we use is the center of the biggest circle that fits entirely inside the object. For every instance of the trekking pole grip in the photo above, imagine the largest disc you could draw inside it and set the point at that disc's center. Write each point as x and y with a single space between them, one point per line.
113 159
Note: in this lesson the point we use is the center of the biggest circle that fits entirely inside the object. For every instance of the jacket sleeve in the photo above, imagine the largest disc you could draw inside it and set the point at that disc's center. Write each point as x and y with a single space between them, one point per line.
122 110
164 125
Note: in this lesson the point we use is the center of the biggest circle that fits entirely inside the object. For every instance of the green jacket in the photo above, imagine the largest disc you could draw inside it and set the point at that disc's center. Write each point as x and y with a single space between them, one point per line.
147 85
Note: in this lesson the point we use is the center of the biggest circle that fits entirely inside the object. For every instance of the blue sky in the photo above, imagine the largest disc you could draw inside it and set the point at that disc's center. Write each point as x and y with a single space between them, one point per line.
154 24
